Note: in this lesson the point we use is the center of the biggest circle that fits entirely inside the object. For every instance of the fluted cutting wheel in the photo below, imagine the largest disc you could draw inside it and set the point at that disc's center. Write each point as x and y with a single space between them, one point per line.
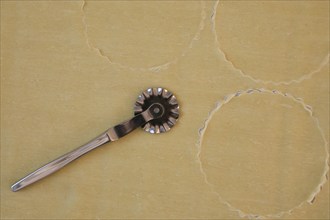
167 100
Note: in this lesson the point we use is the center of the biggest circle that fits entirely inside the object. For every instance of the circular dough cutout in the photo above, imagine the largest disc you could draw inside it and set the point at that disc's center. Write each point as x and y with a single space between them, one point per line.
274 40
263 153
142 34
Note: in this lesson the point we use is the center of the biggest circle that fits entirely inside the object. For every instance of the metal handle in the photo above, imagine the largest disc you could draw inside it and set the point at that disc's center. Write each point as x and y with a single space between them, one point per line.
112 134
58 163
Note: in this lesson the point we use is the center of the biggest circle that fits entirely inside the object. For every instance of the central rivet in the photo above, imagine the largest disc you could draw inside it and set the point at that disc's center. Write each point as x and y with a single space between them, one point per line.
156 110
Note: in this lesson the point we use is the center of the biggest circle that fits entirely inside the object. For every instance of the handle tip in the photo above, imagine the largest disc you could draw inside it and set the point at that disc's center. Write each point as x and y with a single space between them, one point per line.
15 187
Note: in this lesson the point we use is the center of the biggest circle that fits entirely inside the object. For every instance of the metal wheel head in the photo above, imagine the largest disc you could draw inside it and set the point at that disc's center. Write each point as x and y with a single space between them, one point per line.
170 108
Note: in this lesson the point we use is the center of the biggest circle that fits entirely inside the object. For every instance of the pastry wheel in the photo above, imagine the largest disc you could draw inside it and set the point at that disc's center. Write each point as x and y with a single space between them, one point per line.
156 110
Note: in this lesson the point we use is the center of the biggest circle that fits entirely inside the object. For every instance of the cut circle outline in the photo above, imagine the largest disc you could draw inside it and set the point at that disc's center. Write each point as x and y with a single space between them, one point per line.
218 106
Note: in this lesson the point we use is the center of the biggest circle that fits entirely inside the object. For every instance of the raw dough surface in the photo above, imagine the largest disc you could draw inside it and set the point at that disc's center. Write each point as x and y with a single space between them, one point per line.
71 69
